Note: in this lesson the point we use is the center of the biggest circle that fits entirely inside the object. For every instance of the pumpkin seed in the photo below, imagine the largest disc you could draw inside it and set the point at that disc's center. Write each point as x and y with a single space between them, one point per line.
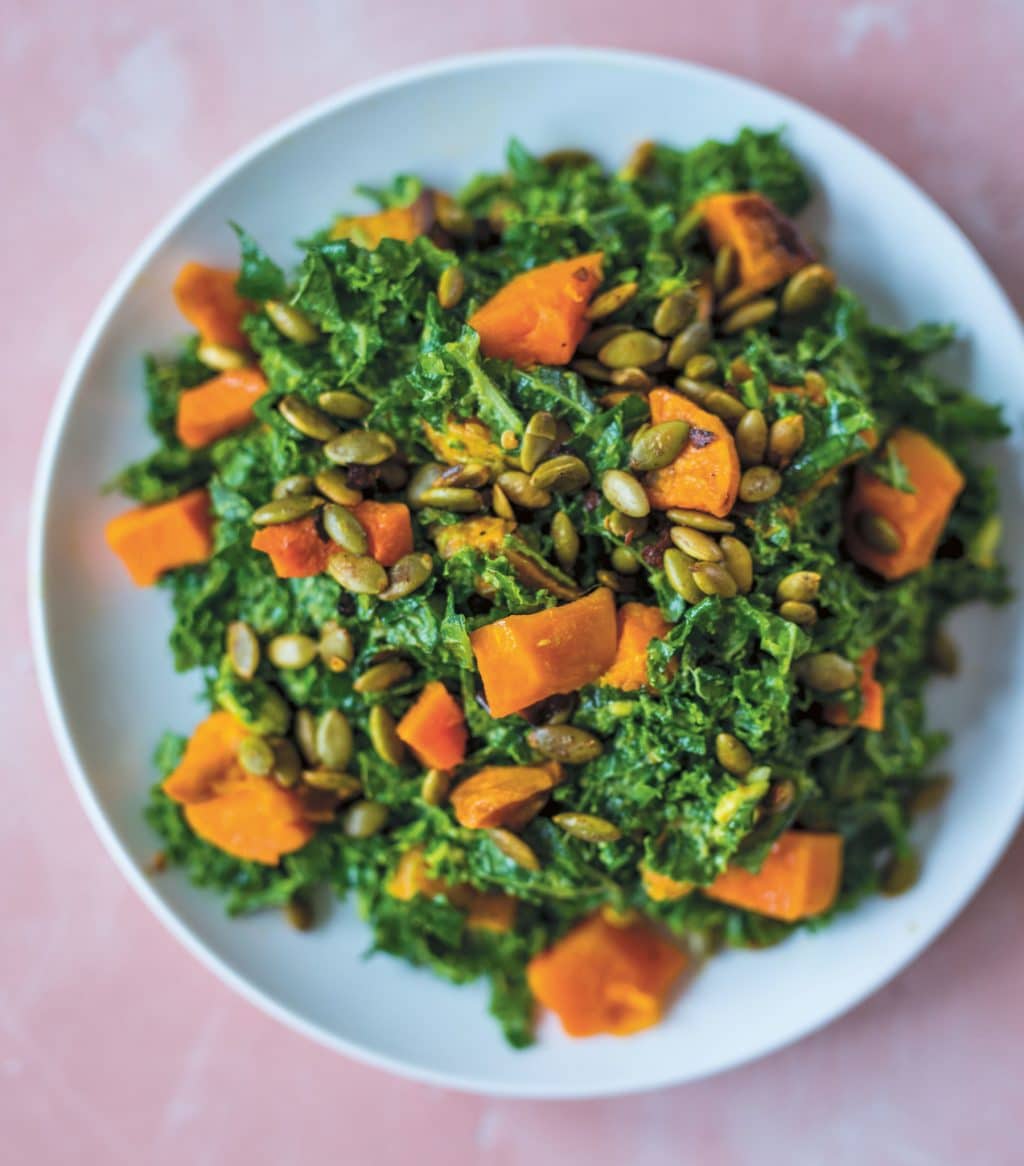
336 648
658 446
739 562
713 579
285 509
984 546
292 651
687 225
609 302
625 493
334 741
364 819
501 212
522 492
384 736
538 440
724 405
696 544
798 612
360 447
456 499
634 379
680 577
759 483
751 437
452 216
299 912
304 727
702 367
380 677
565 743
942 653
755 312
469 474
785 437
292 485
827 671
735 298
900 874
342 527
514 848
564 474
451 287
345 785
723 274
407 575
347 406
695 390
700 521
733 755
692 341
809 288
930 794
256 756
816 386
587 827
569 158
780 796
739 370
357 573
500 504
306 418
639 162
633 348
878 532
624 561
799 586
565 540
287 763
423 479
595 340
333 484
220 357
622 525
435 786
591 370
675 311
243 648
291 323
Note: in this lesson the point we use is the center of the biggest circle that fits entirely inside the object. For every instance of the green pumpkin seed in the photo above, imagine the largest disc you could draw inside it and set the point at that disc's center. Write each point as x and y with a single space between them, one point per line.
285 510
658 446
291 486
759 484
334 741
345 785
570 159
804 614
364 819
931 792
780 796
501 505
587 827
243 648
725 405
942 654
381 677
596 339
304 727
591 370
333 484
675 311
565 743
452 216
622 525
624 561
827 671
424 478
733 755
692 341
625 493
696 390
700 521
291 323
514 848
347 406
565 540
723 274
714 579
901 873
984 546
360 447
336 648
639 162
799 586
785 437
751 438
407 575
735 298
256 756
702 367
695 543
609 302
634 379
357 573
538 440
306 418
809 288
299 913
501 212
878 532
816 385
519 488
342 527
220 357
456 499
632 349
291 651
384 738
564 474
451 287
755 312
287 763
686 226
679 575
739 562
435 786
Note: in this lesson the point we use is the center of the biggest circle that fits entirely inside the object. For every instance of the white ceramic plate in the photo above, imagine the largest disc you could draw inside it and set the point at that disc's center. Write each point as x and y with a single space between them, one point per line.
100 643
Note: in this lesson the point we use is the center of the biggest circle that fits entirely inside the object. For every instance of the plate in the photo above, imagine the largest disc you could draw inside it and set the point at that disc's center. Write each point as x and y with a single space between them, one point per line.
100 643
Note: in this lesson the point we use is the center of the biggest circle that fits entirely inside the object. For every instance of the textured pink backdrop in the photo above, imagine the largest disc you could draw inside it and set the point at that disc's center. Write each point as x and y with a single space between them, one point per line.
115 1047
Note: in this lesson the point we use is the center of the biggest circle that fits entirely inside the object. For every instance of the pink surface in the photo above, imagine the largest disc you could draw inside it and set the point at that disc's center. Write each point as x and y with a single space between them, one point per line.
115 1046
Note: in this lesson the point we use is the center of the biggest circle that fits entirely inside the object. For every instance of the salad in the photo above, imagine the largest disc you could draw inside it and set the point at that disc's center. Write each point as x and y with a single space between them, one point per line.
565 560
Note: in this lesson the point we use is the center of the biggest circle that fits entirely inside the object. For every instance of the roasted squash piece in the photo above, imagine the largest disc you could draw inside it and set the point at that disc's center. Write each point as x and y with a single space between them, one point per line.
252 818
296 549
150 540
219 406
768 246
208 757
207 298
799 878
435 728
706 475
402 223
638 623
503 795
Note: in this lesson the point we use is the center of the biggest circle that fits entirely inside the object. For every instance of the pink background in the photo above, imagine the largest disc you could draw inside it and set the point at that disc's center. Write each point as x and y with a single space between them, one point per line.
115 1046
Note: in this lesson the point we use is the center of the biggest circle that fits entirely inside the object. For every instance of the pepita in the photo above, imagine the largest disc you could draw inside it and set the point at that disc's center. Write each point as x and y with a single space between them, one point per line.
609 302
750 315
358 574
785 438
538 440
292 485
625 493
809 288
724 405
522 492
407 575
565 540
565 743
696 390
256 756
735 298
501 505
827 671
751 437
804 614
360 447
587 827
624 525
347 406
380 677
658 446
624 561
287 763
759 484
304 727
424 478
333 484
695 543
336 648
634 379
514 848
878 532
739 562
292 651
713 579
344 785
901 874
942 653
220 357
591 370
984 546
639 162
680 577
307 419
733 755
285 510
299 912
564 474
334 741
800 586
452 216
291 323
595 340
633 348
243 648
702 367
674 312
693 339
723 274
384 738
610 579
364 819
456 499
931 792
435 786
342 527
451 287
700 521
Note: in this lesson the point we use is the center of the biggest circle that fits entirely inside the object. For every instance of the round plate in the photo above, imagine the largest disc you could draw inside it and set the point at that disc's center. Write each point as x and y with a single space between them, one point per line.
101 644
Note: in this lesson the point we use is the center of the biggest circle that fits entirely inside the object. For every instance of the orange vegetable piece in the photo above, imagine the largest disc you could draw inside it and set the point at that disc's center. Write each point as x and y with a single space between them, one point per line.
208 756
604 978
503 795
251 818
918 518
768 246
410 878
403 223
295 548
388 529
207 298
799 878
526 658
219 406
485 910
661 888
638 624
706 475
152 539
538 317
872 709
435 728
491 911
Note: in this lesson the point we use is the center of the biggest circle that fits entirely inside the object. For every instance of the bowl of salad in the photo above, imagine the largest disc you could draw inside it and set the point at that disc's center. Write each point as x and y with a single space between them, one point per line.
524 590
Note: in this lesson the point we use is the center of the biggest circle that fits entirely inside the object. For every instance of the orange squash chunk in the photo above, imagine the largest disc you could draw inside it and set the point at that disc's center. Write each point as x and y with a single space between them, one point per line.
410 878
485 910
435 728
799 878
491 911
872 709
388 527
252 818
768 246
661 888
538 317
295 548
403 223
525 658
219 406
209 755
206 297
503 795
603 978
638 624
706 475
150 540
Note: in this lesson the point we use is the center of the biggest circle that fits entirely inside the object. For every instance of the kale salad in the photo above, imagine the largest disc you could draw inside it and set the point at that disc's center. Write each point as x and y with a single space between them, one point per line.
565 559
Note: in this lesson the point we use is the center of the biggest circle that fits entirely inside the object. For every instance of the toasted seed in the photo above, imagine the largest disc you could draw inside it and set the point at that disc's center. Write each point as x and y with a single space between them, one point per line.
469 474
739 562
687 225
291 651
625 493
827 671
424 478
725 405
692 341
696 390
702 367
713 579
452 216
333 484
299 912
243 648
639 162
435 786
739 370
285 509
336 648
256 756
942 653
514 848
675 311
658 446
700 521
347 406
696 544
220 356
384 737
345 785
809 288
723 274
756 312
287 763
751 438
816 386
304 728
587 827
591 370
456 499
680 577
633 379
569 158
363 819
565 743
288 487
564 474
595 340
800 586
984 546
931 792
565 540
291 323
609 579
759 483
306 418
878 532
624 561
380 677
360 447
785 437
609 302
334 742
522 492
501 505
451 287
733 755
538 440
623 525
804 614
901 873
742 294
780 796
407 575
342 527
633 348
357 573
